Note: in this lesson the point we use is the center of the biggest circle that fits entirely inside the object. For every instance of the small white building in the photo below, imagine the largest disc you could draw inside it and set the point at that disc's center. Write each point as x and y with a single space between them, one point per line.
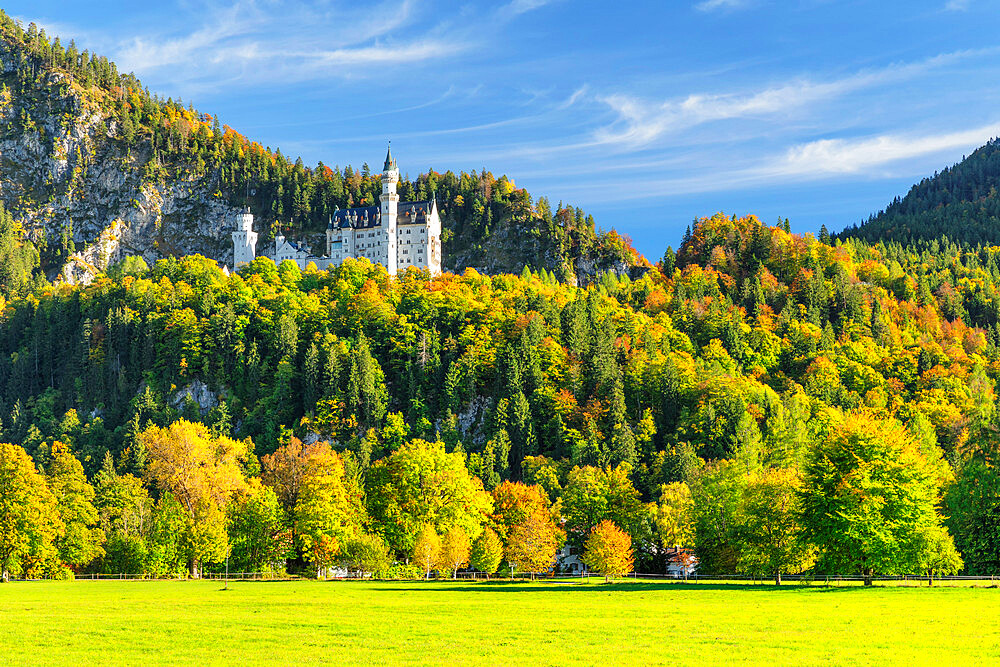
681 563
393 234
568 560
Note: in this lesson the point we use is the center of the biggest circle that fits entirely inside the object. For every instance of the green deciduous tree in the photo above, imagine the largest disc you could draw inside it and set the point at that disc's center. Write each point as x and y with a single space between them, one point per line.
367 554
487 552
973 508
717 495
126 514
594 494
869 499
421 484
82 537
258 536
770 532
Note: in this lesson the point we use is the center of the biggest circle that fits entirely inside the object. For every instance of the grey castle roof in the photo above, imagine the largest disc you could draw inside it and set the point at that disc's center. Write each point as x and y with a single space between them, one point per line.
366 217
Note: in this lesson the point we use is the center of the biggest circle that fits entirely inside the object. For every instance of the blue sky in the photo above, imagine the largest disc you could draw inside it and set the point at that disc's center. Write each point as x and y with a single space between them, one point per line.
646 114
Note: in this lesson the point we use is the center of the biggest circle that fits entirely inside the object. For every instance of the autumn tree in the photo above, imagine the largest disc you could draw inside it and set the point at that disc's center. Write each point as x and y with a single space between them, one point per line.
455 550
427 549
283 471
487 552
869 498
532 544
203 474
29 518
608 550
513 502
675 516
328 510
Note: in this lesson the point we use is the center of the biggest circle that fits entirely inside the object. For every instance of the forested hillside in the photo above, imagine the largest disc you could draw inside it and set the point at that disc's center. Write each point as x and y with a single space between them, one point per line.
96 168
707 404
960 203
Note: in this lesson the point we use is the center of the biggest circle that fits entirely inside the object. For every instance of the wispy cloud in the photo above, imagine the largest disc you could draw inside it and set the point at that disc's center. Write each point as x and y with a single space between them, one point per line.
522 6
252 42
880 156
957 5
640 121
715 5
860 155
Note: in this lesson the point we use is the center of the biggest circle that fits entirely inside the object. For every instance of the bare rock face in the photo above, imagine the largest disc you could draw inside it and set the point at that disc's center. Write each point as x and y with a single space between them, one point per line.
198 392
64 169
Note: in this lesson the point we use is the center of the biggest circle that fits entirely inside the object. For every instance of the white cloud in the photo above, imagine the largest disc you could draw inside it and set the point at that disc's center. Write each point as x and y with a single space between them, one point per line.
713 5
957 5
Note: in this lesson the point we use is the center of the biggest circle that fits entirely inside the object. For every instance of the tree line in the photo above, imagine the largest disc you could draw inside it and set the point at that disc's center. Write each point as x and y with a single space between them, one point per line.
865 502
713 384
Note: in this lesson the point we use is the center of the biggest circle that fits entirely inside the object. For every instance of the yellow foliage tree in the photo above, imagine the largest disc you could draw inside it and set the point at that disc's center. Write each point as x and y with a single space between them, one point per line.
455 550
427 549
202 473
532 544
327 512
608 550
29 520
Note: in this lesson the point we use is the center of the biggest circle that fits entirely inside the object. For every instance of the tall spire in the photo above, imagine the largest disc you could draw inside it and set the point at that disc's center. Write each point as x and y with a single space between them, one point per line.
389 162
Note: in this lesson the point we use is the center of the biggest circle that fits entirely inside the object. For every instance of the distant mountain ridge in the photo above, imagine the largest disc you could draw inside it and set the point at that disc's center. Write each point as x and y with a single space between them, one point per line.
961 203
95 168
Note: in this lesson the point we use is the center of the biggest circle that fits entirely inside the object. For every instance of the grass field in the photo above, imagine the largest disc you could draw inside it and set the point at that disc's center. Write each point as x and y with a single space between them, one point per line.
137 623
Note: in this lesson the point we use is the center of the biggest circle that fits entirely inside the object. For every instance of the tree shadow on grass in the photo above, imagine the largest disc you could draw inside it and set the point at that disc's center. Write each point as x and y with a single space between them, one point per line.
593 586
546 587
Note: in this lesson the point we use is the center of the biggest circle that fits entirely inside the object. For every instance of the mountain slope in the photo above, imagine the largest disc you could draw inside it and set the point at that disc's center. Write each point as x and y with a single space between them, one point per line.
960 202
95 168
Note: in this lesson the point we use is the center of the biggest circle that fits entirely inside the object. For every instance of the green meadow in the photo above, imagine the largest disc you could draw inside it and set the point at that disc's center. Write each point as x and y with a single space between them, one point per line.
560 623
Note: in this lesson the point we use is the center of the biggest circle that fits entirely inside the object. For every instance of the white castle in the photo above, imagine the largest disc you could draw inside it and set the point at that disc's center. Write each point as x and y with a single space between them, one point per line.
395 235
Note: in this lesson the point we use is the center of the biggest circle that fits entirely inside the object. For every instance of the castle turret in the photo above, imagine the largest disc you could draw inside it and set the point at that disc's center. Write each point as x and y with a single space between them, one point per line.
244 239
433 236
389 210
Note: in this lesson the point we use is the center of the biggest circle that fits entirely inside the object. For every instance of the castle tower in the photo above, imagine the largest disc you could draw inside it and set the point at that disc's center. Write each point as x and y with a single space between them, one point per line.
244 240
389 210
433 236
